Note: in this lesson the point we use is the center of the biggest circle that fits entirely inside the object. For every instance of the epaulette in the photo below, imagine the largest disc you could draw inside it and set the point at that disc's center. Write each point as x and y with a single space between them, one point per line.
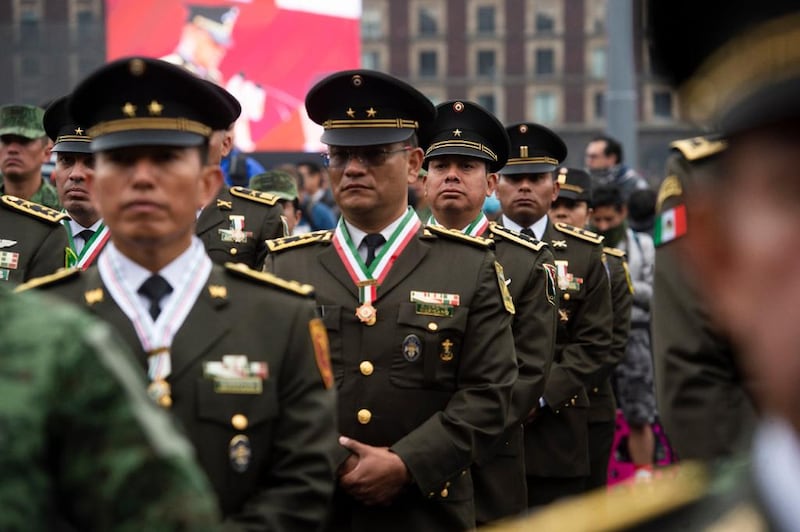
54 278
516 237
279 244
583 234
615 252
254 195
453 234
305 290
34 209
621 508
698 147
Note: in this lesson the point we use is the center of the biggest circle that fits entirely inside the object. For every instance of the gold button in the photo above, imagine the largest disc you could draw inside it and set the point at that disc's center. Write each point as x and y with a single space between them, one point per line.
433 326
444 493
364 416
234 251
566 297
366 368
239 422
573 401
431 494
595 390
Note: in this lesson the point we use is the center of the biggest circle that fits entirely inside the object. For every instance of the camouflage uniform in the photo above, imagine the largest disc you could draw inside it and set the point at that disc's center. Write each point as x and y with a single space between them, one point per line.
80 443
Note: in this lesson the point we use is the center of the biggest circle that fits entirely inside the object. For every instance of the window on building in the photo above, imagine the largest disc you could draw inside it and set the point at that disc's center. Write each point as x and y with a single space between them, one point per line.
487 67
371 27
597 63
545 62
544 107
486 20
428 24
545 22
662 104
427 64
29 27
31 66
488 101
371 60
85 19
599 106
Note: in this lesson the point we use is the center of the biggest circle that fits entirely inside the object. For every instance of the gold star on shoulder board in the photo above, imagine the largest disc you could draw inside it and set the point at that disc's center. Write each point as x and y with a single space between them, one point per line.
78 131
371 112
351 113
456 132
129 109
155 108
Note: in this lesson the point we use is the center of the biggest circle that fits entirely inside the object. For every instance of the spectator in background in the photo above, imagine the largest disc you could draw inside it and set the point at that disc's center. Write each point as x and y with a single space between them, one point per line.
284 186
318 213
604 161
417 198
642 211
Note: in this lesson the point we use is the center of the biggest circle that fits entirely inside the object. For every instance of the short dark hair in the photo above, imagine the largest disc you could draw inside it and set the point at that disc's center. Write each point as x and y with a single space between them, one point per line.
608 196
613 146
642 204
313 168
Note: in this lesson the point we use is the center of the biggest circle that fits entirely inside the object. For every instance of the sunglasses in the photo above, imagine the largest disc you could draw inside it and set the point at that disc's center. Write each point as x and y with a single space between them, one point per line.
368 157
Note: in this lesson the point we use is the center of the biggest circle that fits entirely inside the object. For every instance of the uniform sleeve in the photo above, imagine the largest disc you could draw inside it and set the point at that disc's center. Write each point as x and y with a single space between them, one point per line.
300 475
119 461
51 254
582 359
271 227
450 440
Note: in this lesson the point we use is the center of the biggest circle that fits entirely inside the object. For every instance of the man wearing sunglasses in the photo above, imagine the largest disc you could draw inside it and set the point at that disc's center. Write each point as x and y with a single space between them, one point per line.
418 318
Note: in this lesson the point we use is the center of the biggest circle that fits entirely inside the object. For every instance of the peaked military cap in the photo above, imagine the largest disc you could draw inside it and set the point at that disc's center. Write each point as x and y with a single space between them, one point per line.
534 149
466 128
740 72
234 108
365 107
218 21
575 184
275 182
140 101
22 120
67 135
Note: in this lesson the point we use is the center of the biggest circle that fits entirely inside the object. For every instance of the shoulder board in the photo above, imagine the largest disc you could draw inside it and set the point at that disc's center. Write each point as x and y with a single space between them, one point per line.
614 252
697 148
34 209
254 195
452 234
53 278
293 287
279 244
516 237
577 232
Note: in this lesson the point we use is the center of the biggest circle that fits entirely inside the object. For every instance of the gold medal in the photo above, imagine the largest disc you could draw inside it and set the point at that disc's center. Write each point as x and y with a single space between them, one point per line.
159 391
367 314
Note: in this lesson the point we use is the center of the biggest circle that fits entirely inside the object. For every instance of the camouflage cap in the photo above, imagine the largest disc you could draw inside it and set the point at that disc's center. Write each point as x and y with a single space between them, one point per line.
275 182
22 120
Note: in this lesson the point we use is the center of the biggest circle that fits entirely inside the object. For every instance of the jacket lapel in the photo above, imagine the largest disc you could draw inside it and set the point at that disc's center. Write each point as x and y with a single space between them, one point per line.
331 261
405 264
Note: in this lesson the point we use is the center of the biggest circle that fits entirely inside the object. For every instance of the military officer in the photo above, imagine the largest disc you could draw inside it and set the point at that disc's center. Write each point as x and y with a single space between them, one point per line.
237 355
73 175
419 319
236 224
465 147
557 454
572 207
82 447
701 388
284 186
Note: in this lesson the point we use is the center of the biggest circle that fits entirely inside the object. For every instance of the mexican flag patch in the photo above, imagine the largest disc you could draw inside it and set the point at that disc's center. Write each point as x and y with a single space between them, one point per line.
671 224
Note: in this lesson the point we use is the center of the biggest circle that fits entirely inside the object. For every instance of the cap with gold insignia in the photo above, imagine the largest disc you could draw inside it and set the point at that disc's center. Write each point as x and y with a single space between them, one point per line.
466 128
67 134
575 184
534 149
218 21
742 73
275 182
140 101
365 107
22 120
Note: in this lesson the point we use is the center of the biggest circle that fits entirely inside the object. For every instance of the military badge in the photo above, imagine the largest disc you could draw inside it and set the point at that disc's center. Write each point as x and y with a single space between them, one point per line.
446 355
236 232
235 374
367 314
240 453
9 260
5 243
160 392
4 274
567 281
508 302
550 281
412 348
319 338
93 296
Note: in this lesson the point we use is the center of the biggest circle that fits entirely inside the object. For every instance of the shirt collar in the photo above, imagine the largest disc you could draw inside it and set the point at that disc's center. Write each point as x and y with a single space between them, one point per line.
357 235
134 274
538 227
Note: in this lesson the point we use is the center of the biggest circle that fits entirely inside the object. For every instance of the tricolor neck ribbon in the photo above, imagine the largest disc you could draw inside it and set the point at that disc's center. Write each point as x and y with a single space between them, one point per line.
477 227
90 250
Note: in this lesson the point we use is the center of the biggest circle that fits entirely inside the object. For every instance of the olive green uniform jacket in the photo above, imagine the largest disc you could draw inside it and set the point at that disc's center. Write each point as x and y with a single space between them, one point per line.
260 217
290 425
32 240
557 441
438 409
82 446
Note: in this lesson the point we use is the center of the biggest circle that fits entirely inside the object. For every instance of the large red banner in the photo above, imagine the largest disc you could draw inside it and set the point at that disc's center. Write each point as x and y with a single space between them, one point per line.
268 53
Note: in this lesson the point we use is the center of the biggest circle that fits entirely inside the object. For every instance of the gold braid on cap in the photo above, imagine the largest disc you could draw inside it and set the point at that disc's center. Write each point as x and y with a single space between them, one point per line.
73 138
461 144
768 54
572 188
532 160
396 123
166 124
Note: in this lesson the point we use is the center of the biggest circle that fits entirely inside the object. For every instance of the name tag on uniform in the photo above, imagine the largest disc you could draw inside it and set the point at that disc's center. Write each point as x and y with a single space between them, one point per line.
235 374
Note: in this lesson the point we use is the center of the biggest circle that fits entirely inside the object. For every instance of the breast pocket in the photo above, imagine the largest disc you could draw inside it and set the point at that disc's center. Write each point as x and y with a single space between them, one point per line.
220 408
569 303
428 348
332 318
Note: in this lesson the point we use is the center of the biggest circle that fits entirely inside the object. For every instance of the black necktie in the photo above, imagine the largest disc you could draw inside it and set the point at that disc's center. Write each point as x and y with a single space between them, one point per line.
528 231
154 289
373 241
86 235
